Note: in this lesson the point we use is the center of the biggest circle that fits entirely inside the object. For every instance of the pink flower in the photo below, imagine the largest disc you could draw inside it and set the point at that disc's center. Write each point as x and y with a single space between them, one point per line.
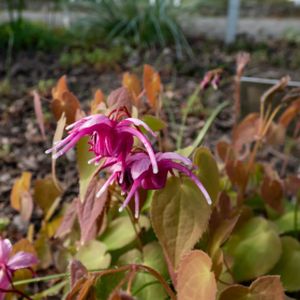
139 174
109 138
9 264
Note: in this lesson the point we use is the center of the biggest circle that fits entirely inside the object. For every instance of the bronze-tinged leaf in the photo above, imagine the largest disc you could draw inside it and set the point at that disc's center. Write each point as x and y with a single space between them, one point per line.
21 186
45 193
39 112
289 114
180 215
83 290
77 271
132 83
119 98
23 245
152 86
225 151
120 295
90 212
26 206
272 192
63 101
68 220
263 288
195 280
292 184
98 100
237 173
246 132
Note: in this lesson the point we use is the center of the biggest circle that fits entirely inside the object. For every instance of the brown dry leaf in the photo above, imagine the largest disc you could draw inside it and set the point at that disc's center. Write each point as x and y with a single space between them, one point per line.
246 131
39 112
64 102
263 288
289 114
132 83
90 212
68 220
152 86
272 192
98 100
195 280
26 206
45 193
119 98
21 185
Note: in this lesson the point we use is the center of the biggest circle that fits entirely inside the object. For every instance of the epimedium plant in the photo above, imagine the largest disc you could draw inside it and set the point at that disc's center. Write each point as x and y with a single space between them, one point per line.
152 224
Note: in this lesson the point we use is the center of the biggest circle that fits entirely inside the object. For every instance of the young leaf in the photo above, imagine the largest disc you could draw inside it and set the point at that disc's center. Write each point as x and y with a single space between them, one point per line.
152 86
255 249
207 171
21 185
93 255
263 288
90 212
64 102
288 267
195 280
77 271
289 114
119 98
154 123
97 101
179 215
132 83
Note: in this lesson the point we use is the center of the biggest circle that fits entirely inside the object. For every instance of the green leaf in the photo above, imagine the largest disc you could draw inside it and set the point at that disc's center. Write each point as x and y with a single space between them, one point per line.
288 222
93 255
255 249
179 216
195 280
145 286
120 232
288 267
263 288
154 123
86 171
208 171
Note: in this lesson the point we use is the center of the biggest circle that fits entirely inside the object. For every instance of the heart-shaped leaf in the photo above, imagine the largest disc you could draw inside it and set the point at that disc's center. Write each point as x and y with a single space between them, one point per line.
207 171
152 86
263 288
255 249
179 216
288 267
195 280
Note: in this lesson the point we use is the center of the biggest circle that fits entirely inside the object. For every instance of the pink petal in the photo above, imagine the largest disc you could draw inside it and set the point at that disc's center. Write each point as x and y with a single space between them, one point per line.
132 191
173 156
5 249
4 282
138 122
106 184
22 260
140 166
147 145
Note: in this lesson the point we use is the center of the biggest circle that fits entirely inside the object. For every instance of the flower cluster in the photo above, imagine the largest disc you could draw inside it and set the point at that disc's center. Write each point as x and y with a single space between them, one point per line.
111 140
11 263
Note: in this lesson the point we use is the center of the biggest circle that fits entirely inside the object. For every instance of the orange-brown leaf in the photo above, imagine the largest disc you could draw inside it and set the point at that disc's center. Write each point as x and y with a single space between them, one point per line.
289 114
132 83
152 85
98 99
21 185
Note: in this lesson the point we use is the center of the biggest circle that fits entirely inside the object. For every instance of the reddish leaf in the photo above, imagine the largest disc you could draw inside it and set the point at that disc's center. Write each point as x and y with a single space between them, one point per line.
119 98
90 212
292 184
195 280
246 132
289 114
152 86
225 151
39 112
64 102
68 220
77 271
237 173
272 193
132 83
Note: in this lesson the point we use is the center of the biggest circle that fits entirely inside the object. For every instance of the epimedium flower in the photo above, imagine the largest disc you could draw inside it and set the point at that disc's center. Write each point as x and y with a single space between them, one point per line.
109 138
139 174
11 263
